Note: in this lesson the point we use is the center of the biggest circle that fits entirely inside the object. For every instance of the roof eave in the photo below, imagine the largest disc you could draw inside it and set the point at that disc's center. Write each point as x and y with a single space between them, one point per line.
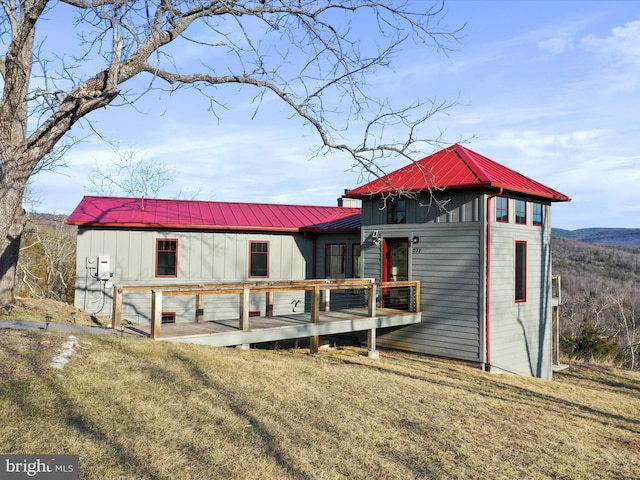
559 197
150 226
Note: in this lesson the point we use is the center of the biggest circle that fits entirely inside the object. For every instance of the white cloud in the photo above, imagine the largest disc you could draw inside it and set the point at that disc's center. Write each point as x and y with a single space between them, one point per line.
619 55
561 43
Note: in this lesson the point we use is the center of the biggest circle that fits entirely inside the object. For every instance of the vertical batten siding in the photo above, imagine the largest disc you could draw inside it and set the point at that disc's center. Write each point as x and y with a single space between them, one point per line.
520 331
203 257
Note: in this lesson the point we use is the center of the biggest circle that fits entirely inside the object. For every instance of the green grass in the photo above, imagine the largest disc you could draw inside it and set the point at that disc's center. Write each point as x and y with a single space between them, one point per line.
135 409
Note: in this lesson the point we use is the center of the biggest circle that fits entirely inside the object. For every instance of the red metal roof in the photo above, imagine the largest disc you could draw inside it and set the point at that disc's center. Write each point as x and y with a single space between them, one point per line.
455 167
199 215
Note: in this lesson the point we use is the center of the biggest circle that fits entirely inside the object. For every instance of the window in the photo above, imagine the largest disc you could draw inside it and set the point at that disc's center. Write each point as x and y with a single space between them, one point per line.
335 260
502 209
521 271
166 257
259 259
521 212
356 250
396 211
168 317
536 215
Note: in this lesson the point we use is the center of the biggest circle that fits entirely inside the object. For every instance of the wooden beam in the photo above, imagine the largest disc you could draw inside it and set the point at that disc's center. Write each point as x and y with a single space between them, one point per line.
156 314
314 341
200 308
371 344
373 293
244 309
269 304
116 316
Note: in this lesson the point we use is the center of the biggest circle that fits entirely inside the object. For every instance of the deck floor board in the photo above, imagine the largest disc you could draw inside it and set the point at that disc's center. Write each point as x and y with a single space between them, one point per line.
227 332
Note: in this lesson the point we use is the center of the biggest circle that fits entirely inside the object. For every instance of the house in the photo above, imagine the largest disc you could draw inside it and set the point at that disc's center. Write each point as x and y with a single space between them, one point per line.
478 237
476 234
138 241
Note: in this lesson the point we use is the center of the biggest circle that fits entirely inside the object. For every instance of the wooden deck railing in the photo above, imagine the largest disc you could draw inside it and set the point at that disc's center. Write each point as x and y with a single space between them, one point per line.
317 288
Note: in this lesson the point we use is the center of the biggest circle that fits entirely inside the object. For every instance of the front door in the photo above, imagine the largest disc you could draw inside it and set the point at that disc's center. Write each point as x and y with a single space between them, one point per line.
395 268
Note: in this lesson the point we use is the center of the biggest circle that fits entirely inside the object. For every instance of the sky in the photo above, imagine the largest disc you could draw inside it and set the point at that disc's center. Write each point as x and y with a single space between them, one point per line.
550 89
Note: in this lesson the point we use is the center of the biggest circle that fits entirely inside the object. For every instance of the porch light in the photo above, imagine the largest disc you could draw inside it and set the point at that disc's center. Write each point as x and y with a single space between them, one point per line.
415 239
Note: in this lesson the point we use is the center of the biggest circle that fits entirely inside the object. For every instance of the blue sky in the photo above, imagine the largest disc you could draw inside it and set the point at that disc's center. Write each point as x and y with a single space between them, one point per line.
550 89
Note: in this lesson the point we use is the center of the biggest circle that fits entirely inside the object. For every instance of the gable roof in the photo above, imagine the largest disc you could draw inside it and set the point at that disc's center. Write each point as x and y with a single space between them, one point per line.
198 215
455 167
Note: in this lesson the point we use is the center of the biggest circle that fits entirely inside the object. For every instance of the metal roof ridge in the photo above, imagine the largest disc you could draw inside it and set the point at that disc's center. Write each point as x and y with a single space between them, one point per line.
464 154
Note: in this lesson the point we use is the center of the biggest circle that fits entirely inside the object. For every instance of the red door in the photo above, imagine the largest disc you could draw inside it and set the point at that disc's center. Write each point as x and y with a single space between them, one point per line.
395 268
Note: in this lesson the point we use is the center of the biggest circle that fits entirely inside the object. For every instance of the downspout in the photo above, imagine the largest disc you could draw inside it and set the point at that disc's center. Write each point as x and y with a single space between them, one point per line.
487 313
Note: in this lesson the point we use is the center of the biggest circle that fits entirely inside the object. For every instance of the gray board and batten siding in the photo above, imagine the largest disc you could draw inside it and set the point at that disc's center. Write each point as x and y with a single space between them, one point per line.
447 260
203 257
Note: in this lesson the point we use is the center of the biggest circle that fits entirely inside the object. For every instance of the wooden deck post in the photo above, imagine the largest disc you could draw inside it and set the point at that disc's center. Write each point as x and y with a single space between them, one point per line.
116 316
199 308
156 313
416 294
314 341
373 292
244 309
327 300
371 344
269 305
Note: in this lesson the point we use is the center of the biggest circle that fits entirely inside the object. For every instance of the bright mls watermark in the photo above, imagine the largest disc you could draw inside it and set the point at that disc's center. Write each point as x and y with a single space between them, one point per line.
49 467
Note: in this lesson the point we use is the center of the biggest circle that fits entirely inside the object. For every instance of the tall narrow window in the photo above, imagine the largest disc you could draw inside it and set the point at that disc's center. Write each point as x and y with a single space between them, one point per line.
521 271
166 257
502 209
521 212
357 261
396 211
536 214
335 260
259 259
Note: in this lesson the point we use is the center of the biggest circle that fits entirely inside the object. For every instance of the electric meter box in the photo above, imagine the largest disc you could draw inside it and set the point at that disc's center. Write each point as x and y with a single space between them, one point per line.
104 267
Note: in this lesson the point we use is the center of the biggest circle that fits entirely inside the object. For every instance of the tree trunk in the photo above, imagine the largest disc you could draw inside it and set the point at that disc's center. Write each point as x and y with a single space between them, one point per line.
12 223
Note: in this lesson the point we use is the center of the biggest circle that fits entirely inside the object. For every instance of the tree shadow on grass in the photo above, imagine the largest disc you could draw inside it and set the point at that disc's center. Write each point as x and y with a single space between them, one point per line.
513 393
237 404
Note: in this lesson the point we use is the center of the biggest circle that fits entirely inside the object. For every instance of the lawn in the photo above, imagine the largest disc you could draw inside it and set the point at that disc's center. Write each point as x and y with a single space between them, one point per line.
136 409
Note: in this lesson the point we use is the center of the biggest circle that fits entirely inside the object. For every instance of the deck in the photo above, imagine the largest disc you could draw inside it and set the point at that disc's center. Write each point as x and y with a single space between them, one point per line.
245 330
269 329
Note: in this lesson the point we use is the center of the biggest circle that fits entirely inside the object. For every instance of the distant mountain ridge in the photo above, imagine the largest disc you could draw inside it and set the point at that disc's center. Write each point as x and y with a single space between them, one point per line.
613 237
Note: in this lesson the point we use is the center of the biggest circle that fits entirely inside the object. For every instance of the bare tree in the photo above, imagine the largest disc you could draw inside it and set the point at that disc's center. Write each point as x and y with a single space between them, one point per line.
134 177
628 325
305 53
46 266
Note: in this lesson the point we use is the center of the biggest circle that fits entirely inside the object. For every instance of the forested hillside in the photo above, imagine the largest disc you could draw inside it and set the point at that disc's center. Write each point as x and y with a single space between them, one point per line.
600 301
613 237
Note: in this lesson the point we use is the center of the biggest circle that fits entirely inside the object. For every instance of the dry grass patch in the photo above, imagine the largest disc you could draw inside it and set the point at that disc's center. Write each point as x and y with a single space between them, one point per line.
35 310
136 409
